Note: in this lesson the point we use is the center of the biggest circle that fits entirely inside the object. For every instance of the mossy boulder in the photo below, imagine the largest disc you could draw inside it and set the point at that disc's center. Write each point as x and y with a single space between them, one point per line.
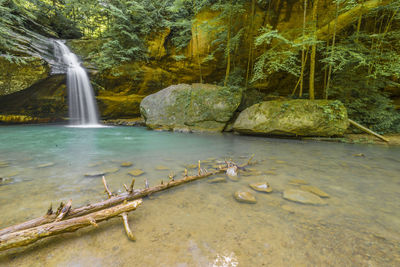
196 107
294 118
15 77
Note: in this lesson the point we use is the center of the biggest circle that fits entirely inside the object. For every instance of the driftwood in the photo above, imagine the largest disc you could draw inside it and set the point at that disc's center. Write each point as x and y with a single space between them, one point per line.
31 235
359 126
131 194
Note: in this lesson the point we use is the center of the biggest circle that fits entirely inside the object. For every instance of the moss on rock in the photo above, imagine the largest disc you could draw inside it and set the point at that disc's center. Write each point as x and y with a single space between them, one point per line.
196 107
294 118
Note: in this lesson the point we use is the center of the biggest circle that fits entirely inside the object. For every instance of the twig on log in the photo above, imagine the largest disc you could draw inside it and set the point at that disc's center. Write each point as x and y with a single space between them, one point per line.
106 188
132 185
31 235
249 161
199 172
365 129
50 210
135 194
64 211
126 226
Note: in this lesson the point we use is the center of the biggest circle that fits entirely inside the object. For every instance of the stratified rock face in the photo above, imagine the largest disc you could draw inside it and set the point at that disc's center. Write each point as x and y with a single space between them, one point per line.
294 118
16 77
196 107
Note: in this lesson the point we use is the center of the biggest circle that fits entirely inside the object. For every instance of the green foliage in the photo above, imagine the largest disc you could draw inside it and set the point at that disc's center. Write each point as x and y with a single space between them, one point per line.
363 65
275 58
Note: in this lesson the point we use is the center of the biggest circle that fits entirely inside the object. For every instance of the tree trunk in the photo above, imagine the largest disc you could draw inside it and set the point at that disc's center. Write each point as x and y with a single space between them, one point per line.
228 46
127 196
31 235
313 50
303 55
332 50
251 41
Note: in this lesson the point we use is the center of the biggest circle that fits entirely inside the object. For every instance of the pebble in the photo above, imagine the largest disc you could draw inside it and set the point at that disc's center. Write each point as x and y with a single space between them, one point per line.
126 164
45 165
261 187
245 197
136 172
314 190
298 182
161 168
95 174
217 180
302 197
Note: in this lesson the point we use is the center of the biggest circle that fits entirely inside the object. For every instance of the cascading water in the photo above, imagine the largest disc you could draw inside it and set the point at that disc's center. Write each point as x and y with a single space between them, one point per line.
82 105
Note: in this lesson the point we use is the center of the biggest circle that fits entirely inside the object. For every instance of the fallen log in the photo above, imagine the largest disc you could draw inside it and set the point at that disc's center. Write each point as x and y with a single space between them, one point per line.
131 194
365 129
31 235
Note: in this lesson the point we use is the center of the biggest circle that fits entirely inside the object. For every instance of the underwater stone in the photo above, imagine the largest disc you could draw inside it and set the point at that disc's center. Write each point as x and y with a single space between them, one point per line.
314 190
302 197
136 172
261 187
126 164
245 197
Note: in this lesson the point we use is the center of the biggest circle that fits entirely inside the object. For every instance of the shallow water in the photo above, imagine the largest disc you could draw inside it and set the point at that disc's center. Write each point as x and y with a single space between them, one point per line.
201 224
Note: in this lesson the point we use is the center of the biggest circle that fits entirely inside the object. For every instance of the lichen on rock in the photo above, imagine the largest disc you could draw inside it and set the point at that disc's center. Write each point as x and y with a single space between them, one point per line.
196 107
294 118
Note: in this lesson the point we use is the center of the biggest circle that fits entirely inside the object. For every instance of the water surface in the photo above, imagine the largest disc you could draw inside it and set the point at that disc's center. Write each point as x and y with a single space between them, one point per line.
201 224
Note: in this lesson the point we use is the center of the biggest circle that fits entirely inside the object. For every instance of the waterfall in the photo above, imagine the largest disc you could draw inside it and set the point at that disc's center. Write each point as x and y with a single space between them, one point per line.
81 102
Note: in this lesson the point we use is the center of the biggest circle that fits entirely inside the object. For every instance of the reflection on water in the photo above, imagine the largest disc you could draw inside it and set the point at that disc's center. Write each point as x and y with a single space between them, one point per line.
201 224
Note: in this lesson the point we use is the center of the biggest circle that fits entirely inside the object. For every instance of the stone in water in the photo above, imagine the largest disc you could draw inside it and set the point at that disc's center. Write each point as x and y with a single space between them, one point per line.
136 172
314 190
245 197
126 164
298 182
217 180
261 187
46 165
302 197
162 168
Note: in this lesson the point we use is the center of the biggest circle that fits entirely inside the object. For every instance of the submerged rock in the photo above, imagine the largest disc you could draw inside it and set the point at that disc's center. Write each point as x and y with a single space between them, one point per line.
95 174
101 173
112 170
232 173
126 164
45 165
161 168
302 197
294 118
4 164
5 180
298 182
261 187
136 172
217 180
314 190
245 197
196 107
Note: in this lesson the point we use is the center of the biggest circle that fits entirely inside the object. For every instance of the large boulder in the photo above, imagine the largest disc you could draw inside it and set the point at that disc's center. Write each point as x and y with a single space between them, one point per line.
196 107
294 118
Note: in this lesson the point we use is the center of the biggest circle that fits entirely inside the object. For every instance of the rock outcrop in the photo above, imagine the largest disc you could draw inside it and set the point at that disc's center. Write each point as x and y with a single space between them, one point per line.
16 77
196 107
294 118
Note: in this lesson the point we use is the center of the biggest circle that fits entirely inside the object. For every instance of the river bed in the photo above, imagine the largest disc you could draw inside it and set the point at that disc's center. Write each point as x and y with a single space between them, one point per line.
201 224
